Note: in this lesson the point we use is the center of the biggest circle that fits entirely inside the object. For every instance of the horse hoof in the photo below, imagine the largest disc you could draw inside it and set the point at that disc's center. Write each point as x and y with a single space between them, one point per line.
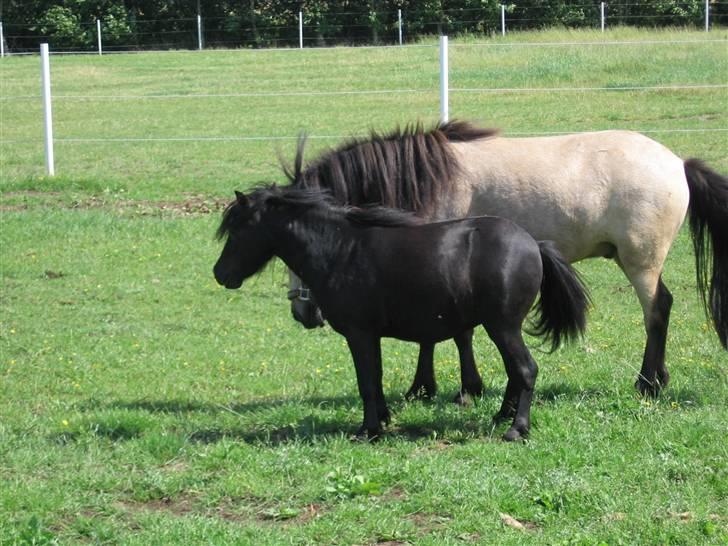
501 417
363 435
513 435
647 388
420 393
463 399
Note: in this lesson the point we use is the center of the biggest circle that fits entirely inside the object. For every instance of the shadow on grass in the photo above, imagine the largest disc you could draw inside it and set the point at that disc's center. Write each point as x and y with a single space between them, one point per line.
552 392
279 421
306 419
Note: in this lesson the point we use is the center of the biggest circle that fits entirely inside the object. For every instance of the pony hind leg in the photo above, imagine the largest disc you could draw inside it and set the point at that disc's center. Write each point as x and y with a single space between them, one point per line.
522 371
653 374
424 385
656 301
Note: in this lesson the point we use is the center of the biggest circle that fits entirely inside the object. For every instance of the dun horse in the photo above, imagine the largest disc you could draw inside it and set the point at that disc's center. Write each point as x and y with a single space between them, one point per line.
614 194
382 273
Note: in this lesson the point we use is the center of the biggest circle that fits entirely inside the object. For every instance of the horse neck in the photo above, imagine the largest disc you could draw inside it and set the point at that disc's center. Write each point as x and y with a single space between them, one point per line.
311 243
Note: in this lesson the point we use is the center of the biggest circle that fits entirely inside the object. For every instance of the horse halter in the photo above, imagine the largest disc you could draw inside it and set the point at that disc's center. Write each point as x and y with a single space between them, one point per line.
302 293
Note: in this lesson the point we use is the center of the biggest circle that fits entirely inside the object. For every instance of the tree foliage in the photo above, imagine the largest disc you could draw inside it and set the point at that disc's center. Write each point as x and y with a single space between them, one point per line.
141 24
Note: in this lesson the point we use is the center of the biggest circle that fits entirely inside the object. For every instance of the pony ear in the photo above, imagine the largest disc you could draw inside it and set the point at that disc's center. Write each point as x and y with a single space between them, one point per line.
241 198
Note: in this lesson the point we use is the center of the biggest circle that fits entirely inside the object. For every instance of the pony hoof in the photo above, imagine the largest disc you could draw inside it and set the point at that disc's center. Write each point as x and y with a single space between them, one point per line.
363 435
501 417
463 399
513 435
420 393
647 388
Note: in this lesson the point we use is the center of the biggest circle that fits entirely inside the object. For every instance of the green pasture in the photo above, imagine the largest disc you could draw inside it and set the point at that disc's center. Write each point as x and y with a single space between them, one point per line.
142 404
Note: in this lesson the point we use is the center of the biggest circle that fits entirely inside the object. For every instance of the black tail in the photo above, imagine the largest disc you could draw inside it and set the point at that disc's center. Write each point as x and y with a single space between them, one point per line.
709 228
561 310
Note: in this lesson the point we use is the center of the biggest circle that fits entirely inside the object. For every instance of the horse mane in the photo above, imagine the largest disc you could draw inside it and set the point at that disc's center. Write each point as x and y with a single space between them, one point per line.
406 169
297 198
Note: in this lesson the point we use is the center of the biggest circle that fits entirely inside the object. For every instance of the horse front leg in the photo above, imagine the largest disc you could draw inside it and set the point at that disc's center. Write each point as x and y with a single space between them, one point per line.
367 355
522 371
470 381
424 385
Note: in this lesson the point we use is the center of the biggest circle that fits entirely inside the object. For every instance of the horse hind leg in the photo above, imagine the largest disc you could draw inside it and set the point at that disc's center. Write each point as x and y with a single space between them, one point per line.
656 301
424 385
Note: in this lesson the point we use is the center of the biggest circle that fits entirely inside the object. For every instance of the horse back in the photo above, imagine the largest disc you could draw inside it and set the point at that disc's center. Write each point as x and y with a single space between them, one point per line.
587 192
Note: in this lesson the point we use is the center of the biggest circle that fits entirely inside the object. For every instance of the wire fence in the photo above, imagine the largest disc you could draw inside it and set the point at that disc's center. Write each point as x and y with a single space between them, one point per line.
92 109
343 28
333 89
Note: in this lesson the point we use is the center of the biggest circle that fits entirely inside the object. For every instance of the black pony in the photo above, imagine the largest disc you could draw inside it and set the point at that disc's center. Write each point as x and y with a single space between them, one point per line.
410 169
379 272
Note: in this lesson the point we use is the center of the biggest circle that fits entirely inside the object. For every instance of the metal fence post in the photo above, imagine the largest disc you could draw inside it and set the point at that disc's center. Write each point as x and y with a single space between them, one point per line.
300 30
45 77
707 15
199 32
399 19
503 19
601 11
98 34
2 41
444 84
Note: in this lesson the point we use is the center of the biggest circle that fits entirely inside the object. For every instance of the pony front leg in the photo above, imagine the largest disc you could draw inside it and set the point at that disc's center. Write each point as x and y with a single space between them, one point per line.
366 352
470 381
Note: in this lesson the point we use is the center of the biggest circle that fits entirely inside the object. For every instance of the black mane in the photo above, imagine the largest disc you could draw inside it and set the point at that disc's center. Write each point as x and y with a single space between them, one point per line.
309 198
406 169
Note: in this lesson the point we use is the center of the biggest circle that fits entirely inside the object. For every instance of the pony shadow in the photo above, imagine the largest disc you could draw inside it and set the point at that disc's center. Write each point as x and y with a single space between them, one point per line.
439 420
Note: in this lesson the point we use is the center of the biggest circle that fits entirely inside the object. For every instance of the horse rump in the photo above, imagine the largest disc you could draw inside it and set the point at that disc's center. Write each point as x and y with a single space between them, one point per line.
560 312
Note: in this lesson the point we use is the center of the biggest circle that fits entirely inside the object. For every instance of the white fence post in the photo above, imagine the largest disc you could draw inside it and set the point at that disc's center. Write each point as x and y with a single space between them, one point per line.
444 85
399 19
300 30
707 15
503 19
199 32
45 78
601 10
2 41
98 34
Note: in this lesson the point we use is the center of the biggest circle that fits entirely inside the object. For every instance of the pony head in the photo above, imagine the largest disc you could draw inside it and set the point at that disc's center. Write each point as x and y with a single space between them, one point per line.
247 247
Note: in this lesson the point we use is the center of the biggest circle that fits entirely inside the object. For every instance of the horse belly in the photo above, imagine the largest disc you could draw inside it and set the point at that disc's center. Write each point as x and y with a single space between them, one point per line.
436 327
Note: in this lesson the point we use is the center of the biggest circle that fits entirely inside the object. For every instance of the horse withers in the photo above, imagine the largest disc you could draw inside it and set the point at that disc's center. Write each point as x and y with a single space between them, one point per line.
378 272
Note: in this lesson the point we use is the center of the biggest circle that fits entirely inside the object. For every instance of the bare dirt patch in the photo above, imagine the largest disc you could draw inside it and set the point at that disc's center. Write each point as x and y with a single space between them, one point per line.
190 204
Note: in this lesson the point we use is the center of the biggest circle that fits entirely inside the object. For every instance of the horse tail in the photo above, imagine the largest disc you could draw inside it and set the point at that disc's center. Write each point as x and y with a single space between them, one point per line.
561 309
708 214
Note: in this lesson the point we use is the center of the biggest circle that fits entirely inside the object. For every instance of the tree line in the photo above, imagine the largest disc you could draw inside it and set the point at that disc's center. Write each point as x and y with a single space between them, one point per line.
145 24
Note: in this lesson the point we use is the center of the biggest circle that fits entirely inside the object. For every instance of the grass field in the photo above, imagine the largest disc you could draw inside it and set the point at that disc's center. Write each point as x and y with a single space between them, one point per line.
142 404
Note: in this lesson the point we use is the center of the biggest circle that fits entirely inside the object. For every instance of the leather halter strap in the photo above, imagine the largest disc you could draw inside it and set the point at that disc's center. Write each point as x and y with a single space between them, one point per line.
303 293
